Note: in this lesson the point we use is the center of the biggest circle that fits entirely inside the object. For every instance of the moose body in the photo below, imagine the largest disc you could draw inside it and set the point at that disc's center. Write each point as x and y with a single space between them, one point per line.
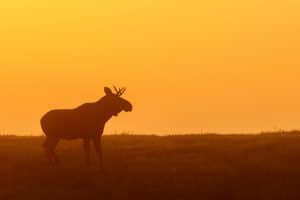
85 122
81 122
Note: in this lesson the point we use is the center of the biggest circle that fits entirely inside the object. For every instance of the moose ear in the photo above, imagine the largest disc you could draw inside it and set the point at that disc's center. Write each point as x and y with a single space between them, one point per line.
107 91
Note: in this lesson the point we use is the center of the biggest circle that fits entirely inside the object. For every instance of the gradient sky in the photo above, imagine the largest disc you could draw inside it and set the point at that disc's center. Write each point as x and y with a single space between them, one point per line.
189 66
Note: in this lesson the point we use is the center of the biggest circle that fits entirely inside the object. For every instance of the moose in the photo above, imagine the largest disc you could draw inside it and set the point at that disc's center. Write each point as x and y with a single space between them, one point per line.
85 122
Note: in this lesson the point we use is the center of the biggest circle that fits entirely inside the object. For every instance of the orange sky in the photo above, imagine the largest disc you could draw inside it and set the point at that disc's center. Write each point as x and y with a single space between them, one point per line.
189 66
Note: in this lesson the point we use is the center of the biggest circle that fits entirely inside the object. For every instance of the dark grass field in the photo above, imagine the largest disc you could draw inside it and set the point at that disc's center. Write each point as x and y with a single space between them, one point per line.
253 167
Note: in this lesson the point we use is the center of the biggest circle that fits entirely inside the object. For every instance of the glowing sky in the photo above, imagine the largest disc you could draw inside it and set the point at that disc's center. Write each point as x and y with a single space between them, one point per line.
189 66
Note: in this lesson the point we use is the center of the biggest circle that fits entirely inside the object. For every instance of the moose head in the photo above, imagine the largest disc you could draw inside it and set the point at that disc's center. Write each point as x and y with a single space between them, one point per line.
114 102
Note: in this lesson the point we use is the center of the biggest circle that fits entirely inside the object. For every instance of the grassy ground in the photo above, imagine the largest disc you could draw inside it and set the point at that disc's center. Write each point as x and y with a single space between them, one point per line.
265 167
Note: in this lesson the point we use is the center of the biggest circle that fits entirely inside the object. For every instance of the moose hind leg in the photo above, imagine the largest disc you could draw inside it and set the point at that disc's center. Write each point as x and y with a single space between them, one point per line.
47 151
49 146
86 147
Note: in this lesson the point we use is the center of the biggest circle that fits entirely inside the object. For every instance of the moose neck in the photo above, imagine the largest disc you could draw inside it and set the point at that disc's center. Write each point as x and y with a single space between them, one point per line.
103 112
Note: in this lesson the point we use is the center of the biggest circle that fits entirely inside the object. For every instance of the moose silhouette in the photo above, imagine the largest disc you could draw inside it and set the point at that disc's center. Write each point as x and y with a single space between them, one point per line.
85 122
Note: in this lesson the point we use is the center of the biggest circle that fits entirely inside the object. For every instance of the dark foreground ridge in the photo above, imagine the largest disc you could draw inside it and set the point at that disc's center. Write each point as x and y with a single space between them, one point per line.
209 167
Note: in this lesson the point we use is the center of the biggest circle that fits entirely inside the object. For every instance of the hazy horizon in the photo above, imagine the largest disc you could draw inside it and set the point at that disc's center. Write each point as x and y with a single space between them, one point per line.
189 67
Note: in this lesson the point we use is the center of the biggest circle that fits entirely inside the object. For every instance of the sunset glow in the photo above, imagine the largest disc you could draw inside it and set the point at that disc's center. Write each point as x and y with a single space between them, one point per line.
189 66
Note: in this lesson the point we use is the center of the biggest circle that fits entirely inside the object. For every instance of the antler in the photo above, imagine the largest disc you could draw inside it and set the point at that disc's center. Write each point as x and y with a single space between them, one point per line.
119 91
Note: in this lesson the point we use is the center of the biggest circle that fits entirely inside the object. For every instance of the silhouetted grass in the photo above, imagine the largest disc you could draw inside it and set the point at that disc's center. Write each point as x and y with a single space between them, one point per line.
265 166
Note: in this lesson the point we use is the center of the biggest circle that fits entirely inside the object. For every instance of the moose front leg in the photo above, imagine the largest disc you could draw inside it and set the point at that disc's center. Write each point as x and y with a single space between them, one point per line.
98 148
86 147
